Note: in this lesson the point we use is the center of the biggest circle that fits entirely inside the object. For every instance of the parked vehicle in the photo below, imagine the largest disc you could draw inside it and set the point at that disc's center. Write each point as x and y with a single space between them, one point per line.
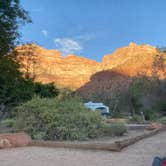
98 107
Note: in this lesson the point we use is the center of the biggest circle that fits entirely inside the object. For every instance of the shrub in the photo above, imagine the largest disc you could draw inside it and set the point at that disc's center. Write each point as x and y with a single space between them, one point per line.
150 115
7 123
65 93
136 119
55 119
160 107
115 129
162 120
45 90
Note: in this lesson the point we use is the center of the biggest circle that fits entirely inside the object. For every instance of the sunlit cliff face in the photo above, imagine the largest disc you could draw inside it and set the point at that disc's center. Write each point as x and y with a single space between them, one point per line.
74 71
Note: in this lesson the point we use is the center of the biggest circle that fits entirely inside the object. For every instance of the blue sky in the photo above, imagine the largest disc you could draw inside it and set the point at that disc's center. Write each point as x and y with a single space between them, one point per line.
93 28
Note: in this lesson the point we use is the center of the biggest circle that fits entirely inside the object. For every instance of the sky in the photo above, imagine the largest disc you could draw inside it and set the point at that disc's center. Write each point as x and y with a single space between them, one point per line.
94 28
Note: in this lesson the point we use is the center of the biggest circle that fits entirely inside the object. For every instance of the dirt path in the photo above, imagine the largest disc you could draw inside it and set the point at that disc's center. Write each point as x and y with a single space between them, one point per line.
140 154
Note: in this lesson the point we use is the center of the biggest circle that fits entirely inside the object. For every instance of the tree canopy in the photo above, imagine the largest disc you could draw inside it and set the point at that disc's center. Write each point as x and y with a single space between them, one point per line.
14 88
11 16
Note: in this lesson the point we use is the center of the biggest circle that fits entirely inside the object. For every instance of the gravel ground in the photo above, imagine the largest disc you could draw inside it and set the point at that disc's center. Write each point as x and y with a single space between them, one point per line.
140 154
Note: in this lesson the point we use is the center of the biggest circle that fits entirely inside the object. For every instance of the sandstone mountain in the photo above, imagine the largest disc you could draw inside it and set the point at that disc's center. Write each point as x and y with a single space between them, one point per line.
50 66
131 60
76 72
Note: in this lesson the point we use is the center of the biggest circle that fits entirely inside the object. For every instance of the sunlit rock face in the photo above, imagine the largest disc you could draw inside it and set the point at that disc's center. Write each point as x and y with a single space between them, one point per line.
131 60
75 71
50 66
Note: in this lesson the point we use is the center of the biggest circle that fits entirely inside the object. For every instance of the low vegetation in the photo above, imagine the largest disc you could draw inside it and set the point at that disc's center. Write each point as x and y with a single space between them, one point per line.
7 123
68 119
162 120
58 119
114 129
48 113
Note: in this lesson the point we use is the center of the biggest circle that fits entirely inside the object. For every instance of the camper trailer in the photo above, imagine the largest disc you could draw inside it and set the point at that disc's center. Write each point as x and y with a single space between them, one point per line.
98 106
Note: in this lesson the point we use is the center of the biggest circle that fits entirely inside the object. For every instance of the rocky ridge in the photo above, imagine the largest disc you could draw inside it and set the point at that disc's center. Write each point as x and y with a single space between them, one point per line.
75 71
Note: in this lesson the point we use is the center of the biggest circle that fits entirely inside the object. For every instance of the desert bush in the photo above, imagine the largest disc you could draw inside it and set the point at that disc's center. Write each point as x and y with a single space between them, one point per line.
162 120
55 119
114 129
150 115
7 123
65 93
136 119
117 114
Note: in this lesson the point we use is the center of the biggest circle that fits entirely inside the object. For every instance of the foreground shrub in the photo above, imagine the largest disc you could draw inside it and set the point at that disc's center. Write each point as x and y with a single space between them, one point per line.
7 123
162 120
115 129
56 119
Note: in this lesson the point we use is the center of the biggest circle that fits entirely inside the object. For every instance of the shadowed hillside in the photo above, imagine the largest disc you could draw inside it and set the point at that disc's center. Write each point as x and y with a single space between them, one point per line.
105 81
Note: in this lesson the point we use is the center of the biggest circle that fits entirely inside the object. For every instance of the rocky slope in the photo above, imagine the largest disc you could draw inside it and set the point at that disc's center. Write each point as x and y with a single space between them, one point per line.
76 72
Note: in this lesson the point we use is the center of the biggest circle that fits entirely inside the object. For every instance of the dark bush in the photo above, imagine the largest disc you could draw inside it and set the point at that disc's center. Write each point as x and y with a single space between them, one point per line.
45 90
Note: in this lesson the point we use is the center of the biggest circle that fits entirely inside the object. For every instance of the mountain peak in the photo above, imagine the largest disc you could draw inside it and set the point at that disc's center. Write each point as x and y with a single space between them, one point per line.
132 44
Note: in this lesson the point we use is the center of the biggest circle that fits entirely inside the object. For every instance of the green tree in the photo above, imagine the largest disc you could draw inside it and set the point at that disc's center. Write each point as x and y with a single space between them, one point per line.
12 15
148 93
11 82
45 90
15 87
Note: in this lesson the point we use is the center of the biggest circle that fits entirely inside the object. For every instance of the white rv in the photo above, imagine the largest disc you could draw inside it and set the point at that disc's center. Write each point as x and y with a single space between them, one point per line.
98 106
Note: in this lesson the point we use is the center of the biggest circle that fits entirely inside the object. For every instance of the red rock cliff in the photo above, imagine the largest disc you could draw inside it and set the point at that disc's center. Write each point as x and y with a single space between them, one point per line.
75 71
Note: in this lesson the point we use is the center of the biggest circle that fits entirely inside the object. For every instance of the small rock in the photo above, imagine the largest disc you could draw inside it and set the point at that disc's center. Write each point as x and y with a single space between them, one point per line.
5 143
